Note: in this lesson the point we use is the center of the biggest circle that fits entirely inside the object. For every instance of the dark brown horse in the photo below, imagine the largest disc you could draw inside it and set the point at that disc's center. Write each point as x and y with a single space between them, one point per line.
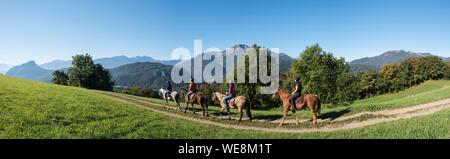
310 100
196 98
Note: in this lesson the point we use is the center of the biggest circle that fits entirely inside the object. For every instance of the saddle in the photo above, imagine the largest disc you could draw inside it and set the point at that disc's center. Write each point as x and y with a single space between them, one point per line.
192 96
299 100
231 101
168 96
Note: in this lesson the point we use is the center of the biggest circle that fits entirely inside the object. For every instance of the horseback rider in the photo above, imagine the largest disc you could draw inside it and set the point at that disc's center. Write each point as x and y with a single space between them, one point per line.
296 94
169 89
230 94
192 88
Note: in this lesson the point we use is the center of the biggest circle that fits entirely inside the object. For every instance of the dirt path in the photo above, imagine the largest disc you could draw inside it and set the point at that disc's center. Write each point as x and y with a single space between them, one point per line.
395 114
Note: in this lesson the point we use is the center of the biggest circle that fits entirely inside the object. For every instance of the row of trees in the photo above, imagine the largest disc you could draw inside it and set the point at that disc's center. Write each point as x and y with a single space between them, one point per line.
323 74
400 76
139 91
329 77
84 73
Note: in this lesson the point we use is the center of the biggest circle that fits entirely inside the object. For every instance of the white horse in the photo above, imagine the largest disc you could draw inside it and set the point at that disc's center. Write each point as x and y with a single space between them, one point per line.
172 96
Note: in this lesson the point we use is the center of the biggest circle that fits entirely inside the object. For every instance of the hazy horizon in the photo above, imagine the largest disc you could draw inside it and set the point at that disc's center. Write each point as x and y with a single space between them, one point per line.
58 29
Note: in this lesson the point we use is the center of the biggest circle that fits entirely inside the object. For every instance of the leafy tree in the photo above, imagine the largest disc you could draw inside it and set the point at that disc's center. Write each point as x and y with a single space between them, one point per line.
101 79
406 74
82 68
346 89
416 70
433 68
448 70
252 90
320 73
390 73
60 78
84 73
369 83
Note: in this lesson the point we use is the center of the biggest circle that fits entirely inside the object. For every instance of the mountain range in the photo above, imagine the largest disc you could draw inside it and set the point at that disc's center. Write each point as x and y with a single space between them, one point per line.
148 72
389 57
144 74
109 62
31 71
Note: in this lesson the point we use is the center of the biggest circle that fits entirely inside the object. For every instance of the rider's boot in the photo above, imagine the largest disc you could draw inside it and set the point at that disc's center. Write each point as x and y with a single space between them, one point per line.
292 107
225 104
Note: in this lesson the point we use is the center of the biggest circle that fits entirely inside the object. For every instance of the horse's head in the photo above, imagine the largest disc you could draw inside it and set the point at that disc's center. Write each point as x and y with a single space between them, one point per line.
276 94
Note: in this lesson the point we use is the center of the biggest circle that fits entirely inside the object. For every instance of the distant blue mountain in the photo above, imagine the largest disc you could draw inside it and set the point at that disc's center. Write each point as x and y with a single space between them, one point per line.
56 64
109 62
389 57
117 61
125 70
31 71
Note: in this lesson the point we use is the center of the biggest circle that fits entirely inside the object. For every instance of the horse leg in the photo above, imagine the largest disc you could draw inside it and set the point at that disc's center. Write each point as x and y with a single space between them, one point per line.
193 108
185 109
314 116
221 111
228 110
286 110
178 105
203 109
206 109
242 113
296 119
167 104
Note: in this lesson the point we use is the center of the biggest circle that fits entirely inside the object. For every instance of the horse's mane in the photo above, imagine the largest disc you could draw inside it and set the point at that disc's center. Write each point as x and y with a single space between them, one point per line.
284 91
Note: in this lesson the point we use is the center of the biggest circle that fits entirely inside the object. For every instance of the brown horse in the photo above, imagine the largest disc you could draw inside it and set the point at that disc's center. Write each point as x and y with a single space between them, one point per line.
310 100
196 98
239 102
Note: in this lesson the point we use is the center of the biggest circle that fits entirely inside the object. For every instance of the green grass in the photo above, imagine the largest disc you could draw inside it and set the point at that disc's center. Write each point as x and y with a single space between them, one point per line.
38 110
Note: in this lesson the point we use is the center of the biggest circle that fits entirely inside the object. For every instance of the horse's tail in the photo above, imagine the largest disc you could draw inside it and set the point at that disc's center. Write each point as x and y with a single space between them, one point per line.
205 100
177 97
248 107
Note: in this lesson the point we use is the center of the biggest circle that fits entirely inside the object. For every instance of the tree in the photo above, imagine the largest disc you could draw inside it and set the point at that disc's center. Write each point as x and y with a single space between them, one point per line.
320 73
370 84
433 68
60 78
252 90
416 70
101 79
82 68
448 70
389 72
84 73
406 74
346 88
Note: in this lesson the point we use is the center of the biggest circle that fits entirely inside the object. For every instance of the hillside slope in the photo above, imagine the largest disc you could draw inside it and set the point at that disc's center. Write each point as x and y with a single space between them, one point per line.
37 110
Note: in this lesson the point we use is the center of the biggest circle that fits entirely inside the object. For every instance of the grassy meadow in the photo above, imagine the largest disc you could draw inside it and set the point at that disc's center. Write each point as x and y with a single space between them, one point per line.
38 110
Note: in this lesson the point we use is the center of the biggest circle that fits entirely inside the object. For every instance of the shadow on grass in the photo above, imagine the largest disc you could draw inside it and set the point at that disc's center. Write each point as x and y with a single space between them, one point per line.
334 114
267 117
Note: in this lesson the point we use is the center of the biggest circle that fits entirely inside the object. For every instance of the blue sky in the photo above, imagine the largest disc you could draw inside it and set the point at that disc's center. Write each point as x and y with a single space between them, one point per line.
45 30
